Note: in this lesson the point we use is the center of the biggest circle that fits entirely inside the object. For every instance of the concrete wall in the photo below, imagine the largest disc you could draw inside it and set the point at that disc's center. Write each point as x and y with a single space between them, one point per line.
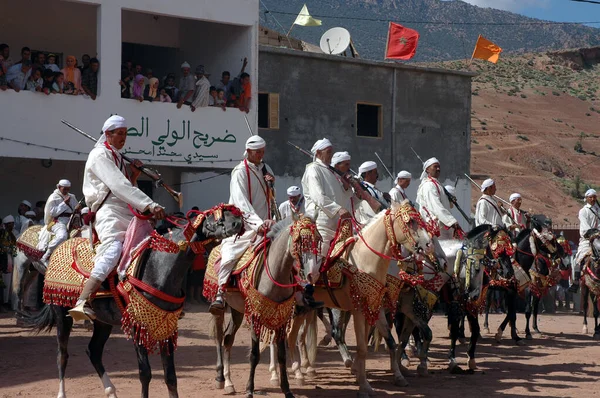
317 98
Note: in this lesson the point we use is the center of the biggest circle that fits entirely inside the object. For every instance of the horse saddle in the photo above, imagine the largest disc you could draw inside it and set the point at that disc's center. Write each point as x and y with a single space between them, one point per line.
68 270
252 257
28 241
342 243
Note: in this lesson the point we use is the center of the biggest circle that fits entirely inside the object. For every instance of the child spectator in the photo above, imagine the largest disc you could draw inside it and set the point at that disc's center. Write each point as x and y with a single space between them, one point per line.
164 97
170 88
72 77
58 87
51 58
221 101
48 81
138 88
212 98
151 90
225 84
35 81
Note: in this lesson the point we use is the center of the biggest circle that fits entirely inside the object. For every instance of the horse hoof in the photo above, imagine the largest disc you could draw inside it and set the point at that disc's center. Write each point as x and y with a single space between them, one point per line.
584 330
311 372
405 362
486 330
400 381
219 385
249 395
422 371
230 390
462 340
110 392
348 363
537 331
520 342
472 364
274 382
528 336
596 336
325 341
365 392
289 395
404 370
456 370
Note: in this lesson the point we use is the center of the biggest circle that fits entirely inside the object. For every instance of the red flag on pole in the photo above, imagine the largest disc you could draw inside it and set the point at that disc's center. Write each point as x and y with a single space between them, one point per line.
402 42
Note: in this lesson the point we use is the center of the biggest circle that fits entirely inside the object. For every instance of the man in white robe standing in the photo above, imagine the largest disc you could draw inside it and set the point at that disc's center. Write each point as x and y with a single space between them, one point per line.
515 219
589 218
295 203
61 204
434 204
398 193
487 210
20 218
109 187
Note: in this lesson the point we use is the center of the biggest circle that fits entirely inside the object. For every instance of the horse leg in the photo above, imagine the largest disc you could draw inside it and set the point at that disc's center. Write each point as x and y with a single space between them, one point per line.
474 325
285 385
400 323
596 328
64 325
454 315
308 344
167 356
584 305
292 347
254 359
461 331
339 324
216 331
96 348
360 329
511 314
385 331
328 333
232 328
528 305
536 304
273 363
488 304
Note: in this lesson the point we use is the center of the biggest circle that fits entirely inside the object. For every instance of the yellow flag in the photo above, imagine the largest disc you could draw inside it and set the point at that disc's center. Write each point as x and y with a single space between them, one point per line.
486 50
304 18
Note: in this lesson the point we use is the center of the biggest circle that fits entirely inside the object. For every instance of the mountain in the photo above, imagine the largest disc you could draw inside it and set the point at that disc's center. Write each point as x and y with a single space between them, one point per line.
443 37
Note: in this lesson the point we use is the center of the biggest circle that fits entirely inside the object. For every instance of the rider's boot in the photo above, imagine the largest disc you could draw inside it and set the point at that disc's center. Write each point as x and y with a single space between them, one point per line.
83 309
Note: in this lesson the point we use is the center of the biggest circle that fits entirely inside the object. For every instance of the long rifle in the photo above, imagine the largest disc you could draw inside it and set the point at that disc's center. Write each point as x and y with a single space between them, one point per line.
450 197
497 197
153 174
386 169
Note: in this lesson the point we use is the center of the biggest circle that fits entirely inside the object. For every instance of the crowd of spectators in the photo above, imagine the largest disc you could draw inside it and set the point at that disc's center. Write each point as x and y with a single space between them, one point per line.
194 90
39 72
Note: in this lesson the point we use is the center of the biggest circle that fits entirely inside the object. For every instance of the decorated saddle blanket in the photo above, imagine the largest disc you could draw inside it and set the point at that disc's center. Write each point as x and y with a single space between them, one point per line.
28 242
342 241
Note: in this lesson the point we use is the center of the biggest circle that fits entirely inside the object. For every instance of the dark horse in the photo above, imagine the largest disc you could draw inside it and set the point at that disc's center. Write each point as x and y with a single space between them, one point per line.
539 254
161 270
590 286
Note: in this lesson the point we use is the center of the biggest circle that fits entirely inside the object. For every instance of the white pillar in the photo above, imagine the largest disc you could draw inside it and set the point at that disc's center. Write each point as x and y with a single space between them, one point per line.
109 43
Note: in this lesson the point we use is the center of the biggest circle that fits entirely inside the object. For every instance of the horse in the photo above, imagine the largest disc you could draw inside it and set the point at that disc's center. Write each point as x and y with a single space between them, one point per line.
271 293
590 286
540 255
162 273
362 291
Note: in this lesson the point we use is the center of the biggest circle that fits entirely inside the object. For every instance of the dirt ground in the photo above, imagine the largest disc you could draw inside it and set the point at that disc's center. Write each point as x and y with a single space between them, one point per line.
560 363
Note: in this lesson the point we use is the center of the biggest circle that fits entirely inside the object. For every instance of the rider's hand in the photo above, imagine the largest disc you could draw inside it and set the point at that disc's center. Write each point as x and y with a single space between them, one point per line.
269 177
67 200
266 225
345 214
158 212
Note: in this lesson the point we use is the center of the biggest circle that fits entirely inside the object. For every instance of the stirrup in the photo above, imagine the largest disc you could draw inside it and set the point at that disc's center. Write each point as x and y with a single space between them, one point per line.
217 307
82 311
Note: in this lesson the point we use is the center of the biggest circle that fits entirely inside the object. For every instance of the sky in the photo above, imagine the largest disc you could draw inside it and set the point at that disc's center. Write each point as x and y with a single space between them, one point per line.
552 10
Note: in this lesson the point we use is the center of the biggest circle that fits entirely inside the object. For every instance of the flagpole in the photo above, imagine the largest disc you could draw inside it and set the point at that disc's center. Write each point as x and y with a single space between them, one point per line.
290 31
473 55
387 40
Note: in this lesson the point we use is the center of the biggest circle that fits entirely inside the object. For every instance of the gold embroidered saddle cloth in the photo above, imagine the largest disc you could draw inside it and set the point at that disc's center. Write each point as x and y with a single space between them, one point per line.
29 240
69 268
332 270
251 257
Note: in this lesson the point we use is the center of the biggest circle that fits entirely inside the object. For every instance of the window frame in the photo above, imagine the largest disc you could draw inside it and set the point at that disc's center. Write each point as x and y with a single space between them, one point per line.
379 117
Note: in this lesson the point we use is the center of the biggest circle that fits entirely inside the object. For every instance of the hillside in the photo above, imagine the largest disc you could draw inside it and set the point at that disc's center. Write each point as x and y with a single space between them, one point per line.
535 128
439 41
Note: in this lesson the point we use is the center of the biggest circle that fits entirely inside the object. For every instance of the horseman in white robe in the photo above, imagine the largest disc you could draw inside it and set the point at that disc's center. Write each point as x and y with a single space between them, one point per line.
398 192
60 206
487 210
515 219
369 174
109 187
589 218
294 205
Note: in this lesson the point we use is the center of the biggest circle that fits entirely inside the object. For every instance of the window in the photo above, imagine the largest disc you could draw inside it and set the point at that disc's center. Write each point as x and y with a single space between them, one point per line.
268 111
368 120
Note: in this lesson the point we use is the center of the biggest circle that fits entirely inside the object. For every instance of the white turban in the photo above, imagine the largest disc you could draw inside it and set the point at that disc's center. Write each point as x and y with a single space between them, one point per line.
85 210
255 142
8 219
113 122
428 163
486 184
294 191
451 190
590 192
367 166
340 157
185 65
30 213
27 203
64 183
404 174
320 145
514 196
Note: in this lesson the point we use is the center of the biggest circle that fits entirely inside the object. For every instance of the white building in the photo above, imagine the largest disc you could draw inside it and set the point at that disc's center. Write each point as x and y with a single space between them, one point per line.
36 149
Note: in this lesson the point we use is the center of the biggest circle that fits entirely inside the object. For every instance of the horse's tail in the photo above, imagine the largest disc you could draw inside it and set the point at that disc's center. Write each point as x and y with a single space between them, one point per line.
376 339
44 321
311 337
212 328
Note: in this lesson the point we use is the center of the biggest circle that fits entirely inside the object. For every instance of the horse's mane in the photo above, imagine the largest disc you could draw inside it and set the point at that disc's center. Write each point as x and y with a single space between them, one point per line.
373 221
523 236
478 230
279 227
538 221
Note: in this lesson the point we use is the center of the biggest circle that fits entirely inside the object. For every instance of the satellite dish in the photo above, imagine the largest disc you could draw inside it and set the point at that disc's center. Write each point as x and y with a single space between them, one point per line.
335 41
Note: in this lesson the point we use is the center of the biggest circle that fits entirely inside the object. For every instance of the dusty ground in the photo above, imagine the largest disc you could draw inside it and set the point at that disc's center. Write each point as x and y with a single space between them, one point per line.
561 363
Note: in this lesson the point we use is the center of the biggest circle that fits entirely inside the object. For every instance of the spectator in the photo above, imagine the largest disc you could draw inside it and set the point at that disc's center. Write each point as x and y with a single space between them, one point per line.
59 83
48 81
149 75
170 88
225 84
40 60
5 58
72 77
128 65
3 82
246 94
186 86
237 87
138 69
212 99
89 80
25 55
18 75
202 92
151 90
127 78
85 60
138 88
164 97
221 100
51 58
35 81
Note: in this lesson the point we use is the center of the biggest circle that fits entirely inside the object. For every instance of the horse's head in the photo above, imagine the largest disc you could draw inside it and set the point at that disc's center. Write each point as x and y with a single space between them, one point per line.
541 223
305 247
501 251
592 235
405 227
220 222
